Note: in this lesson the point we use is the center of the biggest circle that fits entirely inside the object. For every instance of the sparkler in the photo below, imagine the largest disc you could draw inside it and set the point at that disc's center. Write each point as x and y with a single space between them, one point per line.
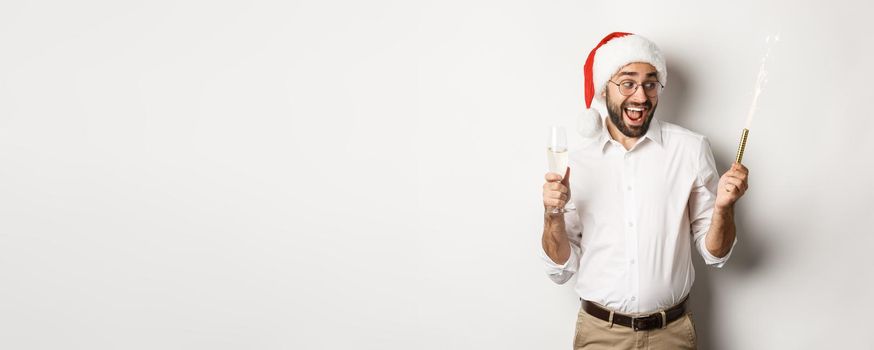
761 79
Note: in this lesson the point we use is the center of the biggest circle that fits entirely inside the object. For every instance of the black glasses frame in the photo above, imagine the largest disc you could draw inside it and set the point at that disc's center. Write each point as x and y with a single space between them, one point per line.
637 85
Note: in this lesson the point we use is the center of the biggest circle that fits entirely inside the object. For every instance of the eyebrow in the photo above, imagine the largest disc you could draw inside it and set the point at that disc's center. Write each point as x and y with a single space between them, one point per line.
634 74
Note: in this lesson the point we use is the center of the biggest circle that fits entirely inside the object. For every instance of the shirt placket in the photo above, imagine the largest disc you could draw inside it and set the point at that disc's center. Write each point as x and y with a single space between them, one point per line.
629 165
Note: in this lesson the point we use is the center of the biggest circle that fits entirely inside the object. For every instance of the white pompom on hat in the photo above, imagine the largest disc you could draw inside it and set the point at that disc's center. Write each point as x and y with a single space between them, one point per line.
615 51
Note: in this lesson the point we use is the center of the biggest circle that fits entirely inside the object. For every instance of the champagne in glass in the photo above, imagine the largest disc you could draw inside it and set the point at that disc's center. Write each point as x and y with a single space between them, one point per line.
556 155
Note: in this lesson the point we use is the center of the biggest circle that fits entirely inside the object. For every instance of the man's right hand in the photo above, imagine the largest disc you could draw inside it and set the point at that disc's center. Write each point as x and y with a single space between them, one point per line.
556 190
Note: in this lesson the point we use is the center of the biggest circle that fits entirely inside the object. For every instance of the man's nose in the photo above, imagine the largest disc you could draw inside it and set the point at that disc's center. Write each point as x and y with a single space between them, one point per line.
639 95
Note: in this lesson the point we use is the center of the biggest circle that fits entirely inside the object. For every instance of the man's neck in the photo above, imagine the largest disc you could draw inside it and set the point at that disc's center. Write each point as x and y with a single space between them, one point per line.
617 135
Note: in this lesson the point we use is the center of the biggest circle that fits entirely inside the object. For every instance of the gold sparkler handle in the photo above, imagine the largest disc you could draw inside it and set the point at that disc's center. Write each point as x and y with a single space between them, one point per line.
743 144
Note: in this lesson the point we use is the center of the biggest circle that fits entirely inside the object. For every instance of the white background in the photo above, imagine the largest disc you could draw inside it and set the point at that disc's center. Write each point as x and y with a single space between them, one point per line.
330 175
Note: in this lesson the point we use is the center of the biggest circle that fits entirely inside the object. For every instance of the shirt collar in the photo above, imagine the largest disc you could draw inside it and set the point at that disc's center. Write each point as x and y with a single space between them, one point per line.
654 133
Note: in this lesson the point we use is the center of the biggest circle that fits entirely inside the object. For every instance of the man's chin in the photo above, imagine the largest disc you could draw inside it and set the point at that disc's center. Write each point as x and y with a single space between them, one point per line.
621 124
635 131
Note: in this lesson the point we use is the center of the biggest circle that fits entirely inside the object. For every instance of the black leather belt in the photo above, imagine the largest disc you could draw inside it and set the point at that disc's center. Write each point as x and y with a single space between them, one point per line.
638 323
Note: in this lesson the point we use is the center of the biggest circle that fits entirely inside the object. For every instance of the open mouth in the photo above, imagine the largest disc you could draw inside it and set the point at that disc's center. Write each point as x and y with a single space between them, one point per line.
635 116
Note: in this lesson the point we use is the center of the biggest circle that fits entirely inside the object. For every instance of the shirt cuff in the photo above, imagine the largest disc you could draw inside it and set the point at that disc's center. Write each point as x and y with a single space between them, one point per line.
711 260
561 273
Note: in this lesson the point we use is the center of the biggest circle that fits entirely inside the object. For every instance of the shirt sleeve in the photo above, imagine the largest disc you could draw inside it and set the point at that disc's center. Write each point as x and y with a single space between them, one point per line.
701 202
562 273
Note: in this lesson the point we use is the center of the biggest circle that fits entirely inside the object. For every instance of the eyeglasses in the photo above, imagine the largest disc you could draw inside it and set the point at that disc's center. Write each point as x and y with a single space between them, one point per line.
629 87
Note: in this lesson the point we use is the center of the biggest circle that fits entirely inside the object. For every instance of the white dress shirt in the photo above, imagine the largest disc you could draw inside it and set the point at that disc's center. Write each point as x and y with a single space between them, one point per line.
637 214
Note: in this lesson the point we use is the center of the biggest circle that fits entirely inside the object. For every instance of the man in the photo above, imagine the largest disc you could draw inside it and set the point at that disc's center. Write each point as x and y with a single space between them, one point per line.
638 196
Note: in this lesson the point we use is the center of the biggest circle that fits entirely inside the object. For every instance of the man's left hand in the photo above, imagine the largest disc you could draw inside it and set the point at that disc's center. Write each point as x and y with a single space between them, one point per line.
732 185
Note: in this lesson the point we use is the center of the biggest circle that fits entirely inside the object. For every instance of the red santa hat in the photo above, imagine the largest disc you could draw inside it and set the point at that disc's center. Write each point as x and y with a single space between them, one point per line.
615 51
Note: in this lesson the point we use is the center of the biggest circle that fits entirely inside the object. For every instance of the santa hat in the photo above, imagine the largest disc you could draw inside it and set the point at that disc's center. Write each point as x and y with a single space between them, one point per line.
615 51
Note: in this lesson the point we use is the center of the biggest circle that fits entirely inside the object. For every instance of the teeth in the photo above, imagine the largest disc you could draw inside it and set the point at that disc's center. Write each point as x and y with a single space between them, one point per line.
635 109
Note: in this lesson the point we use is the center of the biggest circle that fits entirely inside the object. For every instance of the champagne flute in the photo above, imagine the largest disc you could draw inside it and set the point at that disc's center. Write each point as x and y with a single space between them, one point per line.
556 154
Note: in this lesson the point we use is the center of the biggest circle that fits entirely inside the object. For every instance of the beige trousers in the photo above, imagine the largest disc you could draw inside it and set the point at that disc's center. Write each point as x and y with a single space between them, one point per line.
595 334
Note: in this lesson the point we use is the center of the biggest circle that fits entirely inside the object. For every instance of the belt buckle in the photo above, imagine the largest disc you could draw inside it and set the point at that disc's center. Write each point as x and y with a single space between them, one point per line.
634 321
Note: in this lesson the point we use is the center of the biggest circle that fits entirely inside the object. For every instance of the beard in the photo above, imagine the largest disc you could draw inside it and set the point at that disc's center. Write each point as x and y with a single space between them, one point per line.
616 112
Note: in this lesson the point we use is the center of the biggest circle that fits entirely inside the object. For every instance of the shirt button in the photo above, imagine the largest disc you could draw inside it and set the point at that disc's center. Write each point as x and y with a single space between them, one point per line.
630 224
628 188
